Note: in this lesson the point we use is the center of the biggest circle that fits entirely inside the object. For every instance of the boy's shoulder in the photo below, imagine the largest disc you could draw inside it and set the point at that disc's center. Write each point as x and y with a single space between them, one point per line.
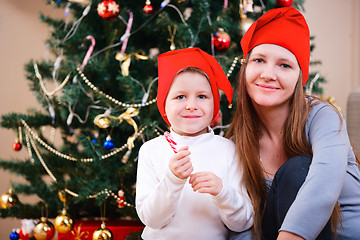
222 140
153 141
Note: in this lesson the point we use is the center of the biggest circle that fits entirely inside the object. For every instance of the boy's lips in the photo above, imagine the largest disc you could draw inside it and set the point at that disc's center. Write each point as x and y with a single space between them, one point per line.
191 116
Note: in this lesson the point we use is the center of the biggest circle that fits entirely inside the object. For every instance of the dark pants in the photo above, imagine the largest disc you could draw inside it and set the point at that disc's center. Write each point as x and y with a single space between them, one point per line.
286 184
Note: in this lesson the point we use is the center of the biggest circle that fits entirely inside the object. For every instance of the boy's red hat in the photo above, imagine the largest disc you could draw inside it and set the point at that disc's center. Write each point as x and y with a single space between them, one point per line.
285 27
170 63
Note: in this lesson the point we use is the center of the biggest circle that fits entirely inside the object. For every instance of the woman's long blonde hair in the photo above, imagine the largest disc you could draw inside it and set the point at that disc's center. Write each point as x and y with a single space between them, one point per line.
245 132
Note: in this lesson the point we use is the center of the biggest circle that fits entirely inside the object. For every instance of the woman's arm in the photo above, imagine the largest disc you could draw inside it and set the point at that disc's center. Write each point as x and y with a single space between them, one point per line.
315 201
284 235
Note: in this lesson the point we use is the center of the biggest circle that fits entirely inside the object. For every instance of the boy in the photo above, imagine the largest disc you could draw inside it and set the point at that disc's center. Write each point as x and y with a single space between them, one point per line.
213 200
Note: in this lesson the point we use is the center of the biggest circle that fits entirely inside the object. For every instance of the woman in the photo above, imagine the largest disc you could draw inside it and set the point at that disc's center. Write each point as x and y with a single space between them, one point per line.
300 171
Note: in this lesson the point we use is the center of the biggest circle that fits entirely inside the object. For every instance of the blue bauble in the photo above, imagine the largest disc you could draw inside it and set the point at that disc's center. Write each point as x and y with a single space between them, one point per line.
108 144
14 236
94 140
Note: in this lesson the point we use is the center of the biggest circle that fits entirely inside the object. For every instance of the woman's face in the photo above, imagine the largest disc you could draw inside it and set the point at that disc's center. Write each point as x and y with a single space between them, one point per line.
271 76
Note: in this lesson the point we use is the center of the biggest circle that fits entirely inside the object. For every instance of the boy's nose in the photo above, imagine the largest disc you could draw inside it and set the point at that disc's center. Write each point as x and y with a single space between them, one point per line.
191 106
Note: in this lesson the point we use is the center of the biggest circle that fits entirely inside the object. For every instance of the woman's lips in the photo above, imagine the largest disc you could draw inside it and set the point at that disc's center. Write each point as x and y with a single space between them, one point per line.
267 87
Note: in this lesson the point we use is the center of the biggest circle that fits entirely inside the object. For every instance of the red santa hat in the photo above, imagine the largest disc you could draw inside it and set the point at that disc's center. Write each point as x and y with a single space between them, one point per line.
285 27
170 63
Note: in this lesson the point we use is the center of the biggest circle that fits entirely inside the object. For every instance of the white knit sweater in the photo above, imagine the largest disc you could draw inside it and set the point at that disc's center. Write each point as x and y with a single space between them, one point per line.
169 207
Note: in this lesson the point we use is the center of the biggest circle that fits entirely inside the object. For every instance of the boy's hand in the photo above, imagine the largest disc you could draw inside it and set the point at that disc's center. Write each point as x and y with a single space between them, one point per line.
180 164
206 182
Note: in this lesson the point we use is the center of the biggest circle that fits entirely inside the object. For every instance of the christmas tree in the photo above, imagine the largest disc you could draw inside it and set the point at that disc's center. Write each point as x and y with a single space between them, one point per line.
99 94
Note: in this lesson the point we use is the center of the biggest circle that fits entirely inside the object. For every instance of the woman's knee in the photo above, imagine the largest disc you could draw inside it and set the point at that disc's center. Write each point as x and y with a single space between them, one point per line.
294 171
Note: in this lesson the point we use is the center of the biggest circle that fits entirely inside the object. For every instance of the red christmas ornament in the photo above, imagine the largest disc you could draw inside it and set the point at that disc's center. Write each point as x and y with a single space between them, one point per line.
221 40
121 201
148 8
284 3
24 236
17 146
108 9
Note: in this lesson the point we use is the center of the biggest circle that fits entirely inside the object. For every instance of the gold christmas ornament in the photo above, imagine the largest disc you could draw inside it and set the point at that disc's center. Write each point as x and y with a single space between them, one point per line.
102 233
245 24
44 230
63 222
9 199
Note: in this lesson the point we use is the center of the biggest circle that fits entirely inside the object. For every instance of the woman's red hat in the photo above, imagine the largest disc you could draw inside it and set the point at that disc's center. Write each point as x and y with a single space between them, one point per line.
285 27
170 63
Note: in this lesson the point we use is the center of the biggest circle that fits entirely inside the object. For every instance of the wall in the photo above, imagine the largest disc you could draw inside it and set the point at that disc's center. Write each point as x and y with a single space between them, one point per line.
335 24
336 27
22 38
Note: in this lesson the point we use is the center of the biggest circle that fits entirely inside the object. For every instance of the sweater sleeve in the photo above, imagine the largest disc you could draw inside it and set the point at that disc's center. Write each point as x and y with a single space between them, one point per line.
233 201
317 197
156 199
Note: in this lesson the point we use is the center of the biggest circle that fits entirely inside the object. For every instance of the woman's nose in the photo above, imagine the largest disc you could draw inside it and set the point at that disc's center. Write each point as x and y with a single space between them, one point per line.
268 73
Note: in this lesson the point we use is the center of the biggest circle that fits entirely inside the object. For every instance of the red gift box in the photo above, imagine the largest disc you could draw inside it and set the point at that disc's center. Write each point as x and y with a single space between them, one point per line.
84 229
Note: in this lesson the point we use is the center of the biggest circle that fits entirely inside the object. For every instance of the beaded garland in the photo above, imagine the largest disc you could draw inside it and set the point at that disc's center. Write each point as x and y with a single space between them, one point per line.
117 102
232 67
31 134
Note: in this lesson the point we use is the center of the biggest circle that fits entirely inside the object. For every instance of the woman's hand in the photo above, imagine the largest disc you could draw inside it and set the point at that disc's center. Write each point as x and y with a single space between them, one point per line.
180 164
283 235
206 182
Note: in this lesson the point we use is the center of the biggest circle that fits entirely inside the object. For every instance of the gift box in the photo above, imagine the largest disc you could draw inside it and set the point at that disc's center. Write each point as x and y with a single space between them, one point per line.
84 229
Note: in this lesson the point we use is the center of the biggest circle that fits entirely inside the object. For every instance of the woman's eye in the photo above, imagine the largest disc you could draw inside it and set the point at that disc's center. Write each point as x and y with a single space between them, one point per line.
284 65
180 97
258 60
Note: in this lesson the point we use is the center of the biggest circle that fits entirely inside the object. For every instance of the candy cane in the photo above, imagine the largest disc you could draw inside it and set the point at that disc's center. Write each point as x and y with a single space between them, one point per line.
226 2
127 31
88 53
171 141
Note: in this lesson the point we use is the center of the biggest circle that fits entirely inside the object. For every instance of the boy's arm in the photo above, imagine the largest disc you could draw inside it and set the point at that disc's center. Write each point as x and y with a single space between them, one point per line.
233 201
156 199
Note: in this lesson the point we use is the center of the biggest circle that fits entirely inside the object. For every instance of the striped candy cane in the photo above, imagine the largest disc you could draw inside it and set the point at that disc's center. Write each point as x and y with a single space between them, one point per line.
171 141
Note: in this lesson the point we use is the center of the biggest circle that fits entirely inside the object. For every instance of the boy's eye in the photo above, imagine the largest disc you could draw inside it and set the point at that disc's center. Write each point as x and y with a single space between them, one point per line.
180 97
202 96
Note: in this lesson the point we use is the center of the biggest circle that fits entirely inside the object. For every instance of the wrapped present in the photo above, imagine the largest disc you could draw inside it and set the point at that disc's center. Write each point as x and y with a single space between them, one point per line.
84 229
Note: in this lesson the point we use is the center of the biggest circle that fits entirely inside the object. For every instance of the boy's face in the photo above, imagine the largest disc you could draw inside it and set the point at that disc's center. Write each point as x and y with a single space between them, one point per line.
189 105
